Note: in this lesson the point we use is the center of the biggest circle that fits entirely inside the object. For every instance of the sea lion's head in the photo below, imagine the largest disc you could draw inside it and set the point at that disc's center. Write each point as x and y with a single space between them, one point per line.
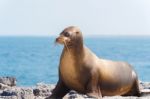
70 36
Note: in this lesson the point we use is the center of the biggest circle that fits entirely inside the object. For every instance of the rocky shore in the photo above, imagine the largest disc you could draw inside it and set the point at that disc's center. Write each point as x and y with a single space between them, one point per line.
9 90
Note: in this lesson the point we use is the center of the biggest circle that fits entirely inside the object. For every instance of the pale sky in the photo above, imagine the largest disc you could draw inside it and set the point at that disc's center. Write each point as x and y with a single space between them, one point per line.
94 17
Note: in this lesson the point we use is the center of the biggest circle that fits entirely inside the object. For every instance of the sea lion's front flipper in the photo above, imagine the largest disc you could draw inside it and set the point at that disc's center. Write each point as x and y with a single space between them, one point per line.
59 91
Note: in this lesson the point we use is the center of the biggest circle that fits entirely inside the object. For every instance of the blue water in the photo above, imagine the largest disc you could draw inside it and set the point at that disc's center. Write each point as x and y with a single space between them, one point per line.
35 59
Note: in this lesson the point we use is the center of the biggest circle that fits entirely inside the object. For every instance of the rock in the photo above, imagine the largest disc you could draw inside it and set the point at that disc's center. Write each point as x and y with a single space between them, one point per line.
20 93
10 81
2 86
72 94
43 89
39 97
146 85
8 93
8 97
145 93
25 93
120 97
36 92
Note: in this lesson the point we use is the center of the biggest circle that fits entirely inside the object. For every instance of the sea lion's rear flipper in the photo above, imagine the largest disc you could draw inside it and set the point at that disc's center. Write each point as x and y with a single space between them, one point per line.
135 91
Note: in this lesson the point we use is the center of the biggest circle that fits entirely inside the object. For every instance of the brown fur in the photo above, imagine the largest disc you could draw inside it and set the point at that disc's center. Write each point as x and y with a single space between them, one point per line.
81 70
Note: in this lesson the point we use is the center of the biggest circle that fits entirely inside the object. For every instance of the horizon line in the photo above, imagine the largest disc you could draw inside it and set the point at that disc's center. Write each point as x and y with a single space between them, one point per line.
95 35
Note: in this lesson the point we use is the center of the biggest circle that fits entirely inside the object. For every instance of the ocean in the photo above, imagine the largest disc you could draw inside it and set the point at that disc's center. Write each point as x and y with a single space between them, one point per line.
35 59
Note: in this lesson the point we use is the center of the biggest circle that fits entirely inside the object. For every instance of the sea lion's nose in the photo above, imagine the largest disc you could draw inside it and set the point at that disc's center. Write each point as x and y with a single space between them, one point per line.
57 39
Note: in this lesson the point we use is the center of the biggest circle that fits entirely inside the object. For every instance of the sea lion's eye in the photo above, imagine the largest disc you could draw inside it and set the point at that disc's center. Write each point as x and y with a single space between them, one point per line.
77 32
66 34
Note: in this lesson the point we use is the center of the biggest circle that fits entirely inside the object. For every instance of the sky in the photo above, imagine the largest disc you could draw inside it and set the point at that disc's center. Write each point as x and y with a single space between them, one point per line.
93 17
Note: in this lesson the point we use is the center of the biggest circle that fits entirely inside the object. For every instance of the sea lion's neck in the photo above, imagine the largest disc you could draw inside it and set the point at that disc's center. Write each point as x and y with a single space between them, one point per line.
77 51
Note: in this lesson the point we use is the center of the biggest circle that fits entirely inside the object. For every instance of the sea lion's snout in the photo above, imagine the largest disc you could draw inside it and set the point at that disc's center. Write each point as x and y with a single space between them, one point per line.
61 39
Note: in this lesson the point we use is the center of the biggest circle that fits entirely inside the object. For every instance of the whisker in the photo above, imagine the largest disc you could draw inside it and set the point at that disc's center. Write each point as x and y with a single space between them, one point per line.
52 53
66 46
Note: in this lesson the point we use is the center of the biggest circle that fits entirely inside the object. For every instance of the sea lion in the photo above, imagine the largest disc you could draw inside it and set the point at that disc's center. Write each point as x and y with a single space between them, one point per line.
81 70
